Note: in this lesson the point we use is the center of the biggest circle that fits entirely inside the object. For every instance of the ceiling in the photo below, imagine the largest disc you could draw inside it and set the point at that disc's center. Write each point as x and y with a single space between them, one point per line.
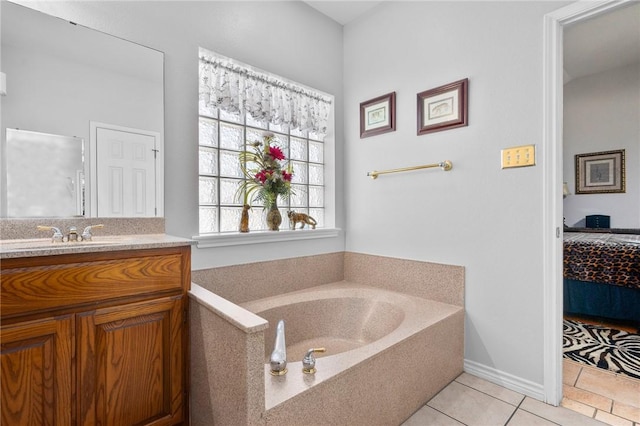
602 43
343 12
596 45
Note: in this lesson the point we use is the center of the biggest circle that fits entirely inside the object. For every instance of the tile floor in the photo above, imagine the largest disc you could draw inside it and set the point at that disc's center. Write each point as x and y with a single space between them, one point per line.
606 396
469 400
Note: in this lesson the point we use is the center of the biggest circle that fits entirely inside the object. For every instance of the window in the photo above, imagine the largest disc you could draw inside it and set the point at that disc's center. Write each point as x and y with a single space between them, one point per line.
224 133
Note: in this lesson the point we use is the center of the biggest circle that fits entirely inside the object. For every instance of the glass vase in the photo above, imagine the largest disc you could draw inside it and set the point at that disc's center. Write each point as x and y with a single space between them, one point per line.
274 218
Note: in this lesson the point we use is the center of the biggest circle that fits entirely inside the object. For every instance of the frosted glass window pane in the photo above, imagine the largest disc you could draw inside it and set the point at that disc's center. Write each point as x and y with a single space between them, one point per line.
282 128
281 141
298 149
208 219
299 199
257 219
236 118
230 218
255 123
300 174
228 190
283 202
208 190
204 109
316 174
254 135
230 164
231 137
318 215
208 161
316 136
299 133
316 196
208 134
316 152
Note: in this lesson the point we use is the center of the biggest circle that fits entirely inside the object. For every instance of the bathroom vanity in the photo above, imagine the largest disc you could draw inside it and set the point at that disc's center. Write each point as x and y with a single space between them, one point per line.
96 335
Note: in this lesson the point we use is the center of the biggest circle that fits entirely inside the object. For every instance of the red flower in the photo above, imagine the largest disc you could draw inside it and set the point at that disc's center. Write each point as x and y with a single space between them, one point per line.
286 176
261 176
276 153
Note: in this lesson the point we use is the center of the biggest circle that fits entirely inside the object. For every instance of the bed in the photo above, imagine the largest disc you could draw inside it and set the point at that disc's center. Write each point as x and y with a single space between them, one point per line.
602 275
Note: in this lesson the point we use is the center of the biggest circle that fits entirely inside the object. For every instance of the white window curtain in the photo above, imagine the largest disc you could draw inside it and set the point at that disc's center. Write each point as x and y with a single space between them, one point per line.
237 88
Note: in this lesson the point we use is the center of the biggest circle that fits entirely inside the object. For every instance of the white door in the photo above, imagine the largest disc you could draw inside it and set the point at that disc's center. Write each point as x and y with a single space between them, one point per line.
126 173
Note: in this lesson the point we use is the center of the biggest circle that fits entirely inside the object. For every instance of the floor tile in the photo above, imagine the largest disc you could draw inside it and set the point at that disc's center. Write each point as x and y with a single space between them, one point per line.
612 420
626 411
559 415
427 416
616 387
578 407
525 418
570 371
589 398
470 406
496 391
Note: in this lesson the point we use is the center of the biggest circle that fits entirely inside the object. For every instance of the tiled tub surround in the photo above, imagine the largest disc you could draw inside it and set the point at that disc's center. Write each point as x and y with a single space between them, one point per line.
416 345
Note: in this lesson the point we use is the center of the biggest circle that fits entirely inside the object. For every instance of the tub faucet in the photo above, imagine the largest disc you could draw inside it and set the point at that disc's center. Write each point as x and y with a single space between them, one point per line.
278 358
309 361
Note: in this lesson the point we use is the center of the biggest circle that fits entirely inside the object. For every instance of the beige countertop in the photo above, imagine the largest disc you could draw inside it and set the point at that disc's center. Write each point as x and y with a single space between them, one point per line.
31 247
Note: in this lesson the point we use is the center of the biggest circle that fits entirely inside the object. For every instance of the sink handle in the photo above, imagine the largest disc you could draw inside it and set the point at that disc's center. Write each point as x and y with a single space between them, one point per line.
86 234
57 236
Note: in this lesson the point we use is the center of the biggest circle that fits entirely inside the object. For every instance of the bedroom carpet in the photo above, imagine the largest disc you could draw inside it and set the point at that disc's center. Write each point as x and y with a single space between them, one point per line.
603 347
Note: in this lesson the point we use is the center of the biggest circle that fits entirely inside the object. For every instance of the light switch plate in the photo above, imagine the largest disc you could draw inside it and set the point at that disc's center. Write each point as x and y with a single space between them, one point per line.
519 156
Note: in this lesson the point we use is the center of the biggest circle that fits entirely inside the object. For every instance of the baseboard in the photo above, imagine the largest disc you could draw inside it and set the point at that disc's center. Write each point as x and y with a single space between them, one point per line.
509 381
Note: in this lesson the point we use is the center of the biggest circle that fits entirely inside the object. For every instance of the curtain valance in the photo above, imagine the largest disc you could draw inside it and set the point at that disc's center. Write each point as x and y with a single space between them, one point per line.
235 88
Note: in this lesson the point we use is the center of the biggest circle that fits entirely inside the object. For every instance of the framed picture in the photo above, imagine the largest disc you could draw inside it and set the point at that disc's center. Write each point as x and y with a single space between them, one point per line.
378 115
443 108
600 172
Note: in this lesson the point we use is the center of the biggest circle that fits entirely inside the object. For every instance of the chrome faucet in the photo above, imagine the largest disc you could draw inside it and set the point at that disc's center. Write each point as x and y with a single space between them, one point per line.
72 235
86 234
309 361
278 358
57 236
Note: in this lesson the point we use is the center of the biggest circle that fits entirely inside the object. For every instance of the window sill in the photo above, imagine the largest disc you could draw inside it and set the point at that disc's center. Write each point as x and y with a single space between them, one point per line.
257 237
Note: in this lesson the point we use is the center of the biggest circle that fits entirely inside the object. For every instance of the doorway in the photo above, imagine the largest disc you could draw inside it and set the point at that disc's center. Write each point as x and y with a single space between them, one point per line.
555 23
126 177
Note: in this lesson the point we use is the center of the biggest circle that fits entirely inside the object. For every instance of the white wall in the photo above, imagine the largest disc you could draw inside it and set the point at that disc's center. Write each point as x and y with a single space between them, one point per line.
287 38
477 215
602 113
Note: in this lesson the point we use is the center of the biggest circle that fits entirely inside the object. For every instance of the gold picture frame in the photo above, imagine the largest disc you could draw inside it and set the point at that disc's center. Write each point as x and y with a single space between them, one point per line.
600 172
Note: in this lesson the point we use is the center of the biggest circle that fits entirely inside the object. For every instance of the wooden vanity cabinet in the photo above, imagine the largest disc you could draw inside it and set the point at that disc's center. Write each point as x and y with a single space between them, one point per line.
95 338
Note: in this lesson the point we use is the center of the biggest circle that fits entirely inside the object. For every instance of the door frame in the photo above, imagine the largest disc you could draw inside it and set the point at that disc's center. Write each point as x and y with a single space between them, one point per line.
93 167
552 144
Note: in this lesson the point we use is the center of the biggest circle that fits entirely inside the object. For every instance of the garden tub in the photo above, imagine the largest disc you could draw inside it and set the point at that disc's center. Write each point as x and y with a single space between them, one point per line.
387 353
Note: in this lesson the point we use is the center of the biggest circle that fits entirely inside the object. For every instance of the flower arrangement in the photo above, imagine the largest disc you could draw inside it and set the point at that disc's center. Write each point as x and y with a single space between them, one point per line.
267 175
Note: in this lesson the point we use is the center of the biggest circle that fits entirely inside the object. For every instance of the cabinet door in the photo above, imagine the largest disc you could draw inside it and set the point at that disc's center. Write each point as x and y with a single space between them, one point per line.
36 381
131 364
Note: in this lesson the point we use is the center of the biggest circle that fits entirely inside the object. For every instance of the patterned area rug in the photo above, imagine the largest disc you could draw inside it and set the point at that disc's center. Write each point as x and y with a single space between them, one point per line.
613 350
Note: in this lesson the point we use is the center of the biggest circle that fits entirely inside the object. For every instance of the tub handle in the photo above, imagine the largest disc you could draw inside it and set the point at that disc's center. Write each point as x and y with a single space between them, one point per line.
278 359
309 361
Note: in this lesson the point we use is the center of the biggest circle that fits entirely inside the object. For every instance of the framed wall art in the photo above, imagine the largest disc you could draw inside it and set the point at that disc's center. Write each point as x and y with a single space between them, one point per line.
443 108
600 172
378 115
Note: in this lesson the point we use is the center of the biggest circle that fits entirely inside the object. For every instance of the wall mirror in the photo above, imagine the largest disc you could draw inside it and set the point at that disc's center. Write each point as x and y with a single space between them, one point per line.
100 98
